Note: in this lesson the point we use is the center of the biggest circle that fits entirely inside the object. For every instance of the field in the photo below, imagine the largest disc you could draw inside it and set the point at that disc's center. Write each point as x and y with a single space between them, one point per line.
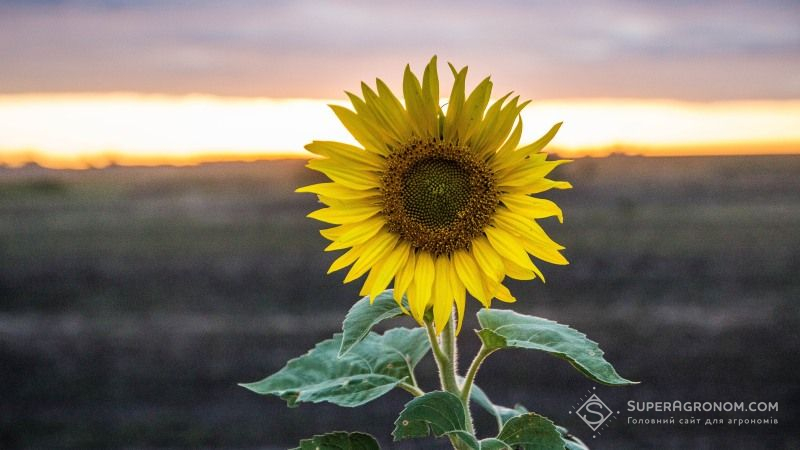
132 300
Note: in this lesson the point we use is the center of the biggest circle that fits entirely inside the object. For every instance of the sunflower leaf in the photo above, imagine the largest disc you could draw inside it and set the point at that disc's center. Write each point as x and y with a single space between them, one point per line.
494 444
371 369
363 316
531 432
571 442
440 413
340 440
501 413
504 414
504 329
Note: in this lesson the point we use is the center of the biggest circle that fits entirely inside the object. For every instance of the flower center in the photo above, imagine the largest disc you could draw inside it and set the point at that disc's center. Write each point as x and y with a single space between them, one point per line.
437 195
435 192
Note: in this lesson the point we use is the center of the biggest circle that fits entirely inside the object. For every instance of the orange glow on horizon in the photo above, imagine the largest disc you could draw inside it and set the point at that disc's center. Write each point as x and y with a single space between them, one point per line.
95 130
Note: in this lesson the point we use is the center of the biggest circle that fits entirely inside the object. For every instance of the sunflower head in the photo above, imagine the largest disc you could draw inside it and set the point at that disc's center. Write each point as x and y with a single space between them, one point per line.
436 200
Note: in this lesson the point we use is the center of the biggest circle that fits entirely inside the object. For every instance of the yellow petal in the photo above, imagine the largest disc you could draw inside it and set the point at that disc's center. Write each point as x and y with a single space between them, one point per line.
346 259
474 108
374 250
412 300
455 104
424 274
532 207
394 109
544 184
499 291
518 273
354 233
349 176
339 216
504 295
469 274
442 295
512 222
527 173
496 125
339 151
404 277
511 159
550 255
336 203
508 146
334 233
365 288
523 227
487 258
422 117
540 143
338 191
533 238
430 85
508 247
372 121
396 126
459 294
359 130
388 268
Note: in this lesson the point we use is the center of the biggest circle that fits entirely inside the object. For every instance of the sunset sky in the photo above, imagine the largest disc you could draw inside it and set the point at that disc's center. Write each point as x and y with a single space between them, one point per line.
93 82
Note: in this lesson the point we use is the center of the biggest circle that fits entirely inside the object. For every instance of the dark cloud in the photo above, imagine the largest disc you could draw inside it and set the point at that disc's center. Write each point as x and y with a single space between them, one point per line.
679 49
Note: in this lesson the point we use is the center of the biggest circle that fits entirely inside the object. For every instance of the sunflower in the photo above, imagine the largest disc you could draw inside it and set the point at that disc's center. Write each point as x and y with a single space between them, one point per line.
436 200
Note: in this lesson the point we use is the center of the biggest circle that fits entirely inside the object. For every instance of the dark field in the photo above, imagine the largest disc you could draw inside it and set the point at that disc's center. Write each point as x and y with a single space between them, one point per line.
133 300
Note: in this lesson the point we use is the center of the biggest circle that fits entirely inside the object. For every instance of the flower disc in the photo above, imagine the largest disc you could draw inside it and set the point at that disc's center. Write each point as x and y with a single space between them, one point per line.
437 196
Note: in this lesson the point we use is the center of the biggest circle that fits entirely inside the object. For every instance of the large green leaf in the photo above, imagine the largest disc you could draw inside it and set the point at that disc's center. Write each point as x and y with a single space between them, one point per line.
372 368
531 432
501 329
363 316
340 440
438 412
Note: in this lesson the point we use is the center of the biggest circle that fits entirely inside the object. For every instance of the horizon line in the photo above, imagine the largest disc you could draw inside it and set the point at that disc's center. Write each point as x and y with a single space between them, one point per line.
78 131
25 158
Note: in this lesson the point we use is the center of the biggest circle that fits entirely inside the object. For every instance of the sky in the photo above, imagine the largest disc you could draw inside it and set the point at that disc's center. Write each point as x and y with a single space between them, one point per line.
88 81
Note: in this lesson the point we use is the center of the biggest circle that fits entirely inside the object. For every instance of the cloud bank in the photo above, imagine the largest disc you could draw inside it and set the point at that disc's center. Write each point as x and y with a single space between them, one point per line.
717 50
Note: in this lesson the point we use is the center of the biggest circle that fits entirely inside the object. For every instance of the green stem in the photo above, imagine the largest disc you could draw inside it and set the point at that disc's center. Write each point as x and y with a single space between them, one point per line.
411 389
411 375
445 355
451 351
449 338
443 362
466 388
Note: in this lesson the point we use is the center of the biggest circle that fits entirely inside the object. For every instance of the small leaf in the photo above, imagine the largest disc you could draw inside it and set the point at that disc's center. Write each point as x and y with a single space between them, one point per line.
438 412
531 432
363 316
502 329
501 413
371 369
340 440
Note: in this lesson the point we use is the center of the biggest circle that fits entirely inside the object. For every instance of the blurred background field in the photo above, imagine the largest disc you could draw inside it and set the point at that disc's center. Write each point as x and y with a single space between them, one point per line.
132 300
